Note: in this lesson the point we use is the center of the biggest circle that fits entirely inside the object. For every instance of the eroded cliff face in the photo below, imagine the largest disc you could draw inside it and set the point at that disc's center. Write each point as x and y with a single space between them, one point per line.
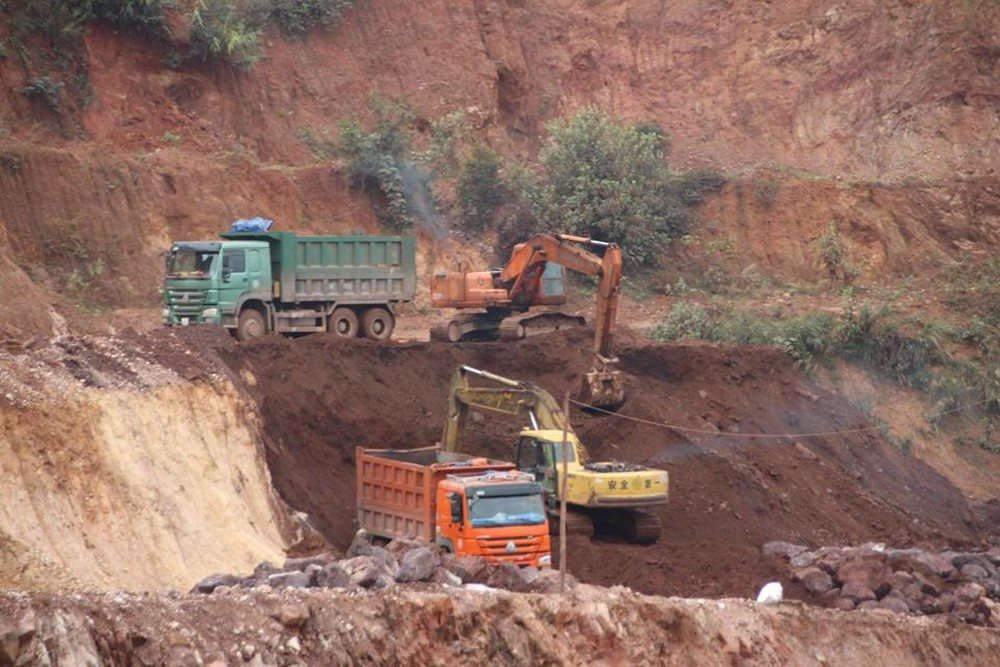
117 471
880 117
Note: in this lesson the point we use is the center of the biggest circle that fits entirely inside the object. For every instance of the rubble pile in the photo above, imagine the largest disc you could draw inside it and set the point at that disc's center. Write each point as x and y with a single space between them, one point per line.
366 565
964 585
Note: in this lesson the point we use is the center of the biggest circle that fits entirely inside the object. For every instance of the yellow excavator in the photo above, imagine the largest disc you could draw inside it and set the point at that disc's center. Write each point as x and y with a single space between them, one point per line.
606 497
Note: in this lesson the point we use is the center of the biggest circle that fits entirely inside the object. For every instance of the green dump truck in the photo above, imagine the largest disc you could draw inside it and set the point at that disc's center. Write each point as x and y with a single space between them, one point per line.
254 283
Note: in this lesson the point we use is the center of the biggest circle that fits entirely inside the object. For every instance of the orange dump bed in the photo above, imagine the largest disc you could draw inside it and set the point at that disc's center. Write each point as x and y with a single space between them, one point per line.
396 487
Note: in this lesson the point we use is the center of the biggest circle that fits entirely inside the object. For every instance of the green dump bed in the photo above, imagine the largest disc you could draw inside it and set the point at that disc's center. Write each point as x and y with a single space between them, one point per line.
345 269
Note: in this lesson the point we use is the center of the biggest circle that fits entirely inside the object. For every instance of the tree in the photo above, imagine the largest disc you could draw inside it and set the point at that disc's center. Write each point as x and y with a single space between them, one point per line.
480 189
611 181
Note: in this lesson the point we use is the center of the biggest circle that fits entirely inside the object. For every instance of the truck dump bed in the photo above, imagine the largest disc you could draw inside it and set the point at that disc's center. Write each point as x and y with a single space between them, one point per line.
396 487
345 269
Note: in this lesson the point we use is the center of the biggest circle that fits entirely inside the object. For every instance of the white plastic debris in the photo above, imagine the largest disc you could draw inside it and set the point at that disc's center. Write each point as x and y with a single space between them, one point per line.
771 593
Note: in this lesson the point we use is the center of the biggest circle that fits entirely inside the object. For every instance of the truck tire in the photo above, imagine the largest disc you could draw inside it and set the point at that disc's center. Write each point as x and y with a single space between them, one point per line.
378 323
250 324
343 323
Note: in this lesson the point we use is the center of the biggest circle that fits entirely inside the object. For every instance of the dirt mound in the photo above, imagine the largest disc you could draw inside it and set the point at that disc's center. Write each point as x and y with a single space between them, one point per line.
319 398
431 625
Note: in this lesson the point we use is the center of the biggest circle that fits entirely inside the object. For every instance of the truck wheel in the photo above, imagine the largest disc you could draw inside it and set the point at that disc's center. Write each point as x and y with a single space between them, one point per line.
343 322
378 323
250 325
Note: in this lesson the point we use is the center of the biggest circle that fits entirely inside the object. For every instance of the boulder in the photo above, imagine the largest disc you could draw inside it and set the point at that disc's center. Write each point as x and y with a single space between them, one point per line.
901 579
894 604
974 572
868 604
856 591
804 559
969 592
418 564
928 586
363 571
333 576
385 559
361 545
547 581
844 604
982 560
293 614
993 588
301 564
312 571
446 578
783 549
469 569
399 546
866 573
509 576
293 579
921 562
210 583
829 598
815 580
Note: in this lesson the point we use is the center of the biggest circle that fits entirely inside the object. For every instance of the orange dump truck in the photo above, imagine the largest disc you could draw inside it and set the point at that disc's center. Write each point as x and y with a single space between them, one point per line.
467 505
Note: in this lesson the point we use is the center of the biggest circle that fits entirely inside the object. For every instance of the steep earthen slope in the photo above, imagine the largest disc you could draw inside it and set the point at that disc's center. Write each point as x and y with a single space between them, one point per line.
869 91
118 471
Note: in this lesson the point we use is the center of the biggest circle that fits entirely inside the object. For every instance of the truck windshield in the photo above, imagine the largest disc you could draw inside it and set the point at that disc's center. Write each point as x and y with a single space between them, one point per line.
506 510
189 262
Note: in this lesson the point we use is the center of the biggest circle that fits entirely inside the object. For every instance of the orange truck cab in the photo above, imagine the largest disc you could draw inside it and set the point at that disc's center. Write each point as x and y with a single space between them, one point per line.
467 505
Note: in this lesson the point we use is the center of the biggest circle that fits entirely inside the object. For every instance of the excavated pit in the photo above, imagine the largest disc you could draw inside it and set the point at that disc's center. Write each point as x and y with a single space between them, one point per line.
320 397
148 460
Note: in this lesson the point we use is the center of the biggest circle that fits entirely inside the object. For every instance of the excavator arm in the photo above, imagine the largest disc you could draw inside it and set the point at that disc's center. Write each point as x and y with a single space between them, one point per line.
602 386
518 399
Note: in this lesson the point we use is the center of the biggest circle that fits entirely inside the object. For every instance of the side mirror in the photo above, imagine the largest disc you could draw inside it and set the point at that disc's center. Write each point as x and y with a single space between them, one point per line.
226 273
456 507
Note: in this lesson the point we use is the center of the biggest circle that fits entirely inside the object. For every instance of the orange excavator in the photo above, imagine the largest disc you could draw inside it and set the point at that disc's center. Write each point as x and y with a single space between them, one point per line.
535 276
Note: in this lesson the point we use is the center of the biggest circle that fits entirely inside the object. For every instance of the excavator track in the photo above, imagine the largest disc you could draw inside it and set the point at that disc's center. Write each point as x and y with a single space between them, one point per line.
635 526
578 522
645 527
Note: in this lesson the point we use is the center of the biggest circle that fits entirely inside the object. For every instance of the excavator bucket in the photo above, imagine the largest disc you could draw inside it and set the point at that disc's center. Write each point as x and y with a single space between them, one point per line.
602 388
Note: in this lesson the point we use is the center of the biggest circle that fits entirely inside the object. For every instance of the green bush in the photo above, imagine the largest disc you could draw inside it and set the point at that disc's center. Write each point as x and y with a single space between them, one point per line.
143 14
229 29
381 163
296 17
480 189
48 89
685 320
610 181
220 28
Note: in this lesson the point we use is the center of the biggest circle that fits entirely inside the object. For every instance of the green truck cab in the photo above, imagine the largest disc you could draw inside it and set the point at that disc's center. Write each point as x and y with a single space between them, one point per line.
254 283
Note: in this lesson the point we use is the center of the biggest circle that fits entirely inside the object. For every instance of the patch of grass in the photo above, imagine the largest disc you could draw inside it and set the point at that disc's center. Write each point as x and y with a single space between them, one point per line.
171 138
872 337
323 147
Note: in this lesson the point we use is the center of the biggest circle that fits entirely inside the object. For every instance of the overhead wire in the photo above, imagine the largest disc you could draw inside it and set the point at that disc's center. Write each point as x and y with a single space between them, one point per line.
729 434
